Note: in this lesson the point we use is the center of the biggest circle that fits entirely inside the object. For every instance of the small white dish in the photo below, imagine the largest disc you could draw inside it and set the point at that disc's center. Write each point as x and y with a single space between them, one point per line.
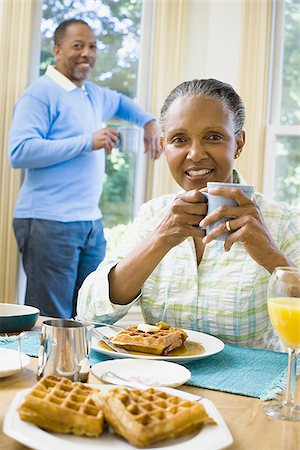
210 437
149 372
10 362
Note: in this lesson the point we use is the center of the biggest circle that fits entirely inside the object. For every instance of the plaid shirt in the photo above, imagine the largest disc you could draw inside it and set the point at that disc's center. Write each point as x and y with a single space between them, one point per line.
225 295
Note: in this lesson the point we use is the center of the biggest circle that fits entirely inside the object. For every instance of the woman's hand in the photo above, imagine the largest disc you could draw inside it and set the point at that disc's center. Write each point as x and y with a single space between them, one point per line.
183 218
248 227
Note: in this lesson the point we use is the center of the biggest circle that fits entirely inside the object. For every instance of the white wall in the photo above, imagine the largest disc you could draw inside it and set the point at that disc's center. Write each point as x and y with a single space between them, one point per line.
213 40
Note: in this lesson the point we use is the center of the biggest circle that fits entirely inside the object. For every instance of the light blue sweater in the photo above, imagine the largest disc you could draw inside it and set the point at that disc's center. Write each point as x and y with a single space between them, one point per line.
51 138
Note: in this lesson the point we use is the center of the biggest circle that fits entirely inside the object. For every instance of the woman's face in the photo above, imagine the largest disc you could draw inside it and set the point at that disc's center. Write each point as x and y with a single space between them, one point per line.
199 143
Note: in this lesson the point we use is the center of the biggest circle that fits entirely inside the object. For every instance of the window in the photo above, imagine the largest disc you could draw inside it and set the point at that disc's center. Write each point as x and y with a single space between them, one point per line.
117 27
282 163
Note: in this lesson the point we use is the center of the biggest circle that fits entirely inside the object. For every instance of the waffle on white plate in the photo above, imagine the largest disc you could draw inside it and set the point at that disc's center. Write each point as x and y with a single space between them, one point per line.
159 339
145 417
60 405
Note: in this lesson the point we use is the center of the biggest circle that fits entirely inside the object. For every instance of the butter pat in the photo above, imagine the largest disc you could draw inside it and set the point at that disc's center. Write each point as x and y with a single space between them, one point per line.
147 328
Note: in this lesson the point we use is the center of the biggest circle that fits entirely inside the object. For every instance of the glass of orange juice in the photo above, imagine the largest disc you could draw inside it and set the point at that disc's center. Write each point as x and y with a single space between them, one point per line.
284 312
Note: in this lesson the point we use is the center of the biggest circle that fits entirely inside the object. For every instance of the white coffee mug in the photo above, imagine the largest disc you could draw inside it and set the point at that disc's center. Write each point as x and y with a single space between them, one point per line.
129 139
215 201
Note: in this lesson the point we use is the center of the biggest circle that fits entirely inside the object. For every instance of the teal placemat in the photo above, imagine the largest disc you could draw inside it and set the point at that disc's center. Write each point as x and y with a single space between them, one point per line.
238 370
241 370
30 343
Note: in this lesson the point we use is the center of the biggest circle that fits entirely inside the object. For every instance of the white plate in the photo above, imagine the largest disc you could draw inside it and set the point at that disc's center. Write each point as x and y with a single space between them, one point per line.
150 372
10 362
211 344
210 437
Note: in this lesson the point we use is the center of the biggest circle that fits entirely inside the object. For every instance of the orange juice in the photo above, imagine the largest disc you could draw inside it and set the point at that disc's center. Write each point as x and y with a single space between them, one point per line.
284 313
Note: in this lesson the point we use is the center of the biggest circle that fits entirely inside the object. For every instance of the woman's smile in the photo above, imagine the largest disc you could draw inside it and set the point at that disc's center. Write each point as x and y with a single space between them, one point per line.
200 142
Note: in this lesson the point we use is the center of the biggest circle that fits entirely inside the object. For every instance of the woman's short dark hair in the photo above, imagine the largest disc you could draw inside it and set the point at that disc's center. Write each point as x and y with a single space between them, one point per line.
207 88
62 28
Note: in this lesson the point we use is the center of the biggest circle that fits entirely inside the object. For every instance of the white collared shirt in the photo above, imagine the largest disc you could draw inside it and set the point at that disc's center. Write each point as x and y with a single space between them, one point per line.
63 81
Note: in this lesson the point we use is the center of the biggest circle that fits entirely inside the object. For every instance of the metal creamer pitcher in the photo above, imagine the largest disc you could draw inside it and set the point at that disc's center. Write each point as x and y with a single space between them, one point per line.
64 349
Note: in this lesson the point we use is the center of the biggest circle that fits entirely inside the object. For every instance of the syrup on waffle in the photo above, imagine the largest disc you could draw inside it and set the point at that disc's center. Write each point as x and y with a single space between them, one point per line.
159 342
145 417
63 406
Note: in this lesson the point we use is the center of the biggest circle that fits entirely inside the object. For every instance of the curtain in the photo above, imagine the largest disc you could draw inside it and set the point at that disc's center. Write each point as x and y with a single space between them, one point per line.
16 23
169 44
253 86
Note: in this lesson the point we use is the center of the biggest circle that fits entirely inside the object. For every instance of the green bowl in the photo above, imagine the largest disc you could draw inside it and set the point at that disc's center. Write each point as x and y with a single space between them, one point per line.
17 317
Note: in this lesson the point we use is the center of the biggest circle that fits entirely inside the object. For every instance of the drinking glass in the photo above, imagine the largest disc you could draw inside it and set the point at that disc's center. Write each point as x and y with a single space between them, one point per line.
284 312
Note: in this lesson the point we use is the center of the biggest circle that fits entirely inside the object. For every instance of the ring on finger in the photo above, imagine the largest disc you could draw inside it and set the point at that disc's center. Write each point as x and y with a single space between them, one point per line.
227 225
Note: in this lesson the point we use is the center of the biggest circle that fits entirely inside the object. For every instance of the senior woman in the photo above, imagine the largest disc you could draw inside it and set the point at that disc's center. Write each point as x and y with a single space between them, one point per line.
179 274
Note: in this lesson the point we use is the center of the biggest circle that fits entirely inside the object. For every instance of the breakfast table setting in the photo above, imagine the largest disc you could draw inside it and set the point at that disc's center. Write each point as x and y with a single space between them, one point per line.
233 384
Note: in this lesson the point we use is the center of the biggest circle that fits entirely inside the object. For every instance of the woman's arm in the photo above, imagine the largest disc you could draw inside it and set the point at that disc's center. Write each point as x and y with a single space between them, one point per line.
128 276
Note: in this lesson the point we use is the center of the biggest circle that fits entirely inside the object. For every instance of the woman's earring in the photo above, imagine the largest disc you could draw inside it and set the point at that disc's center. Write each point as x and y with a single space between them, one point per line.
236 156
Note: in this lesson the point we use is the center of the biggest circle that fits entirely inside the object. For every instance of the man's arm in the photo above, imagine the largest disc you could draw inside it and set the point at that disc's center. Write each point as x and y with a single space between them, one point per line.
151 139
29 146
132 112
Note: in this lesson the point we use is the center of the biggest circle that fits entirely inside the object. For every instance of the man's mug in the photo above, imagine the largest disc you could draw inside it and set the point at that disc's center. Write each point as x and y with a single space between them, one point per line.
129 139
215 201
64 348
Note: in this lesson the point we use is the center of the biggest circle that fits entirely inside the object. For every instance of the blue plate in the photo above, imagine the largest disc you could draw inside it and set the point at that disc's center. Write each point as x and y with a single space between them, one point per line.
17 317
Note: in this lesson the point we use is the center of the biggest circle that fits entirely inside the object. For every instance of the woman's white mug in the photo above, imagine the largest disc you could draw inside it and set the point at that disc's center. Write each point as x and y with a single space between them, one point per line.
215 201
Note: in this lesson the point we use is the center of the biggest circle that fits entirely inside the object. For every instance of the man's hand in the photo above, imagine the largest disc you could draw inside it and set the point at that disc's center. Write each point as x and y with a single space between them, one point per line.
105 138
151 139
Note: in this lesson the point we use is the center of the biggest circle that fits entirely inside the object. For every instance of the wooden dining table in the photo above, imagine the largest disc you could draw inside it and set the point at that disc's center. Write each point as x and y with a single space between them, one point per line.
244 416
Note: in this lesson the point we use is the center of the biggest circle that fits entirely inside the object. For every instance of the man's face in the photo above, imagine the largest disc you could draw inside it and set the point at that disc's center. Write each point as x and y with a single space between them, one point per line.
76 53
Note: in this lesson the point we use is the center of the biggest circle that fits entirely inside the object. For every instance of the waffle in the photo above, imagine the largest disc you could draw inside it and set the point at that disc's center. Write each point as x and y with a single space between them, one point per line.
60 405
145 417
158 342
